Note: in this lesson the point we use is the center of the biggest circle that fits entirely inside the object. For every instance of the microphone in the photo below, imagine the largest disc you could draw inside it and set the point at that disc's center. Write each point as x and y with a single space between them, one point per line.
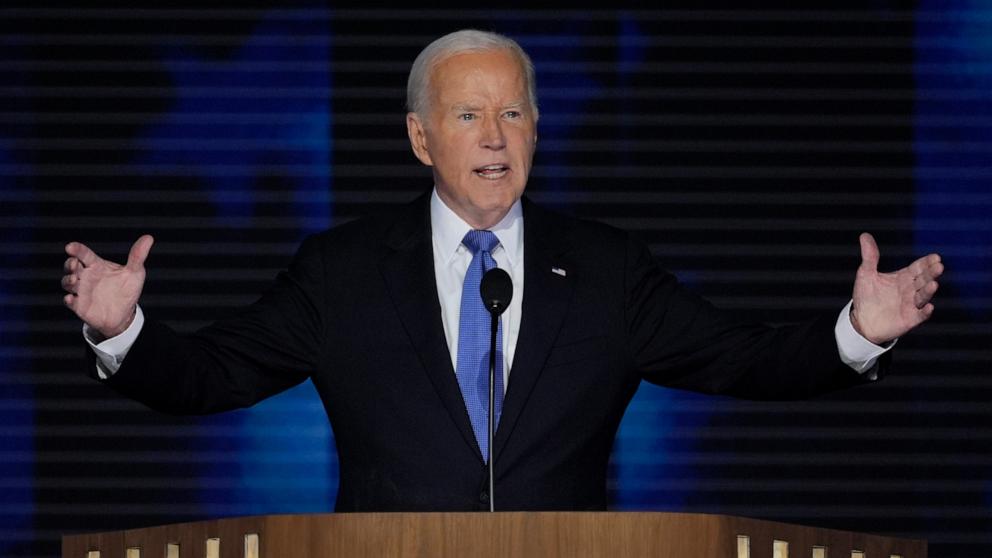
496 289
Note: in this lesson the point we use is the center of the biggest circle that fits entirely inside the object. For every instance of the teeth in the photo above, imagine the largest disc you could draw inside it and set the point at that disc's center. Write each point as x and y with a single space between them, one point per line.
492 172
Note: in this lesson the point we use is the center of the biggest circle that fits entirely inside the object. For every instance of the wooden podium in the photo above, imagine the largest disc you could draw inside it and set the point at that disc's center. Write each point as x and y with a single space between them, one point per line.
478 535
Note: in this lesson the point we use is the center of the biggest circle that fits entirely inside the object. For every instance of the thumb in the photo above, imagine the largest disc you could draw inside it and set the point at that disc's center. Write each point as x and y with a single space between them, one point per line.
139 252
869 253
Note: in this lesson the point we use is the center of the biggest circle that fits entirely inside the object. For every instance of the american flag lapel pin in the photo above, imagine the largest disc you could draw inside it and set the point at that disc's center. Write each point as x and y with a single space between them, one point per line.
559 271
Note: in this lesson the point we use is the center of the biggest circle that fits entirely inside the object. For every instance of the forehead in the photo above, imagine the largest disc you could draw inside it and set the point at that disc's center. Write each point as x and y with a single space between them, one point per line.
495 75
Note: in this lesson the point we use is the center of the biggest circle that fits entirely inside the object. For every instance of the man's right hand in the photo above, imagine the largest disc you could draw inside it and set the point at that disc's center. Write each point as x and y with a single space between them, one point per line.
102 293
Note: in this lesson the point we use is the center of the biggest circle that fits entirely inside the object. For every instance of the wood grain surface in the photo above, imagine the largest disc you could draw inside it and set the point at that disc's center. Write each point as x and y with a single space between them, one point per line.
538 534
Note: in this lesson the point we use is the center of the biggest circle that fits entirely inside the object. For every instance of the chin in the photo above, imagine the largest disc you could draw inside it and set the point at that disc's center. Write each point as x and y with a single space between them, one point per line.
503 201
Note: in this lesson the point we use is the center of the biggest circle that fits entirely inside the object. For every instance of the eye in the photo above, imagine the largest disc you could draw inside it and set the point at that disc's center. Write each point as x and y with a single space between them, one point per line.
466 116
512 114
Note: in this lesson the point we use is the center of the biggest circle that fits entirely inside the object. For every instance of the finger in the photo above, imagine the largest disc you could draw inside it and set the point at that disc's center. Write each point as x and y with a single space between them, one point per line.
70 283
869 252
928 272
71 265
936 269
924 264
920 265
923 296
139 252
82 252
70 301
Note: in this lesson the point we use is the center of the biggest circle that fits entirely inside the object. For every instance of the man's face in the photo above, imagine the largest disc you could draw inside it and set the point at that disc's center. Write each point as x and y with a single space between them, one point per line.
479 134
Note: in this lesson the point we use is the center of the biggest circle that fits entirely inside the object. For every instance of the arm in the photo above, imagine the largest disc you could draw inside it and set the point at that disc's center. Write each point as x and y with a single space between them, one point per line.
268 347
680 340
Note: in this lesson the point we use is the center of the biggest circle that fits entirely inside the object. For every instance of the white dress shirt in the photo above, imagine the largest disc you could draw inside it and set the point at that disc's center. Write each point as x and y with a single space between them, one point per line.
451 260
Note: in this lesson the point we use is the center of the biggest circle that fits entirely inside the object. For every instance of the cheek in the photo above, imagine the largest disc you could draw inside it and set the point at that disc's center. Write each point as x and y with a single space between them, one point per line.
455 157
528 142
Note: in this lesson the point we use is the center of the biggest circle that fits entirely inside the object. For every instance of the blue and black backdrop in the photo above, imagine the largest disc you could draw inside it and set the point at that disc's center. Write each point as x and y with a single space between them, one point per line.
748 145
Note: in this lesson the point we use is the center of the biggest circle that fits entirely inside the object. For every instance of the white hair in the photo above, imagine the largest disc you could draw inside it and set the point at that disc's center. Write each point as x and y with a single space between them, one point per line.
467 40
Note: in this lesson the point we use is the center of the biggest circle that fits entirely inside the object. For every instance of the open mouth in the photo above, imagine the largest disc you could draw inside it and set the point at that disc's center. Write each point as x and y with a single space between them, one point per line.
492 172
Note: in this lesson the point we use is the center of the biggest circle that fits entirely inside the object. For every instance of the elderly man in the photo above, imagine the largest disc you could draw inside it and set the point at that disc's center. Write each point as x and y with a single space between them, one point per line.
382 315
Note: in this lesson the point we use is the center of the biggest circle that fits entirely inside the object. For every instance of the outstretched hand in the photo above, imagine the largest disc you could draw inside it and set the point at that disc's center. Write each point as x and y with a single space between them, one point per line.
102 293
888 305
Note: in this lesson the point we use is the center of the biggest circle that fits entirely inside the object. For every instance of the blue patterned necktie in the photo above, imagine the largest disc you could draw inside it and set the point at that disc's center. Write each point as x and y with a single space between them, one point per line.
474 326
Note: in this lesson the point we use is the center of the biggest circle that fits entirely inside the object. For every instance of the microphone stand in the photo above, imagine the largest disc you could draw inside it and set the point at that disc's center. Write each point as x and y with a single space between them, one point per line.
496 289
492 410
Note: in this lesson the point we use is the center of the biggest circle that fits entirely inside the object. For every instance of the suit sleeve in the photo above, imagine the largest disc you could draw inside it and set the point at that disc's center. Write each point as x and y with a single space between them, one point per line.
679 340
266 348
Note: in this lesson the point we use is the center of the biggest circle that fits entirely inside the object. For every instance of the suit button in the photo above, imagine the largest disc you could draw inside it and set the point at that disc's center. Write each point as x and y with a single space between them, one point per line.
484 497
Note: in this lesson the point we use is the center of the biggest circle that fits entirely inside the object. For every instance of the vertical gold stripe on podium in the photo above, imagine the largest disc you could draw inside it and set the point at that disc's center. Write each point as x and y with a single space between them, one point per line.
857 554
780 549
251 545
133 552
172 550
819 552
213 548
743 546
93 554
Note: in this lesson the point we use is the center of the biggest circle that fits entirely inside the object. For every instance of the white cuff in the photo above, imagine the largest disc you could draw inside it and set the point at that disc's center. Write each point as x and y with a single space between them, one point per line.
110 353
856 351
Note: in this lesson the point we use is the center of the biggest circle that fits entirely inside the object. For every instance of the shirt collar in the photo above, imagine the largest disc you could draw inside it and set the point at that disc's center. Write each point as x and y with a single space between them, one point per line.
448 230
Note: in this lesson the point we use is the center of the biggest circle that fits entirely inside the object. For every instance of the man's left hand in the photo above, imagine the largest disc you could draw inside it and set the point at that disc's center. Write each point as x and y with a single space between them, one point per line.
888 305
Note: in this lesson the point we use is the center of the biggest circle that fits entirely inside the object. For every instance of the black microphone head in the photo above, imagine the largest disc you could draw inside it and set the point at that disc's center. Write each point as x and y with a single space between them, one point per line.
497 290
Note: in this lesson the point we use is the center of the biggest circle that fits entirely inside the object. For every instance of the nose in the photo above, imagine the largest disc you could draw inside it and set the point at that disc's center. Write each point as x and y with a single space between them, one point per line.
492 134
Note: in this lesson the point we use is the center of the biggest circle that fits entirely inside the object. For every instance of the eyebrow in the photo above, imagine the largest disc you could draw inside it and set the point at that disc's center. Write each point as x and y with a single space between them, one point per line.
474 108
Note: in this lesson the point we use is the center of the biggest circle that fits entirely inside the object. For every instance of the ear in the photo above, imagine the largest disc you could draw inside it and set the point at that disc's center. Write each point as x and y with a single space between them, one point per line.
418 138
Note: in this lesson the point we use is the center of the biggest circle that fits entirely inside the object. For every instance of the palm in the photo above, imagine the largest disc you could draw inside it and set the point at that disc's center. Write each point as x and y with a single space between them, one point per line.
888 305
102 293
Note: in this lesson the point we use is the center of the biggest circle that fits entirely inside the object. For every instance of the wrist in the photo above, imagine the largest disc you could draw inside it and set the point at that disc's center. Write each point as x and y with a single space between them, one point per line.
856 324
120 328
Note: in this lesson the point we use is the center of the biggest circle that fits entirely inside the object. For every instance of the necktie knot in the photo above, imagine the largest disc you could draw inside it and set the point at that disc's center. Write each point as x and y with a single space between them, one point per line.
485 241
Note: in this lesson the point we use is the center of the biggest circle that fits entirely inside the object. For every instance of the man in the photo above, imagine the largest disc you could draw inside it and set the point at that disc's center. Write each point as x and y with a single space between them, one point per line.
378 313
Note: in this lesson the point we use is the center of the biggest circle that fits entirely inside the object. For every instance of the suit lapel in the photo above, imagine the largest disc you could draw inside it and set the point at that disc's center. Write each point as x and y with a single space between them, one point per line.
408 269
547 295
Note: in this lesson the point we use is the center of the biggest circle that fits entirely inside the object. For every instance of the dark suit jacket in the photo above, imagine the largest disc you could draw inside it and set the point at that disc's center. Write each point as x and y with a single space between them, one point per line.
358 313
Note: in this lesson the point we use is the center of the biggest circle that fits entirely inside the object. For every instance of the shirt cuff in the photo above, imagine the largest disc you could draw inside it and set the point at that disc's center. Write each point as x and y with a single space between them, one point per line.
856 351
110 353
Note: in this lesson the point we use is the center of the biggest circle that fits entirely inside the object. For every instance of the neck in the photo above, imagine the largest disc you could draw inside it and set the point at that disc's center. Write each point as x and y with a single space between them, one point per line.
477 220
